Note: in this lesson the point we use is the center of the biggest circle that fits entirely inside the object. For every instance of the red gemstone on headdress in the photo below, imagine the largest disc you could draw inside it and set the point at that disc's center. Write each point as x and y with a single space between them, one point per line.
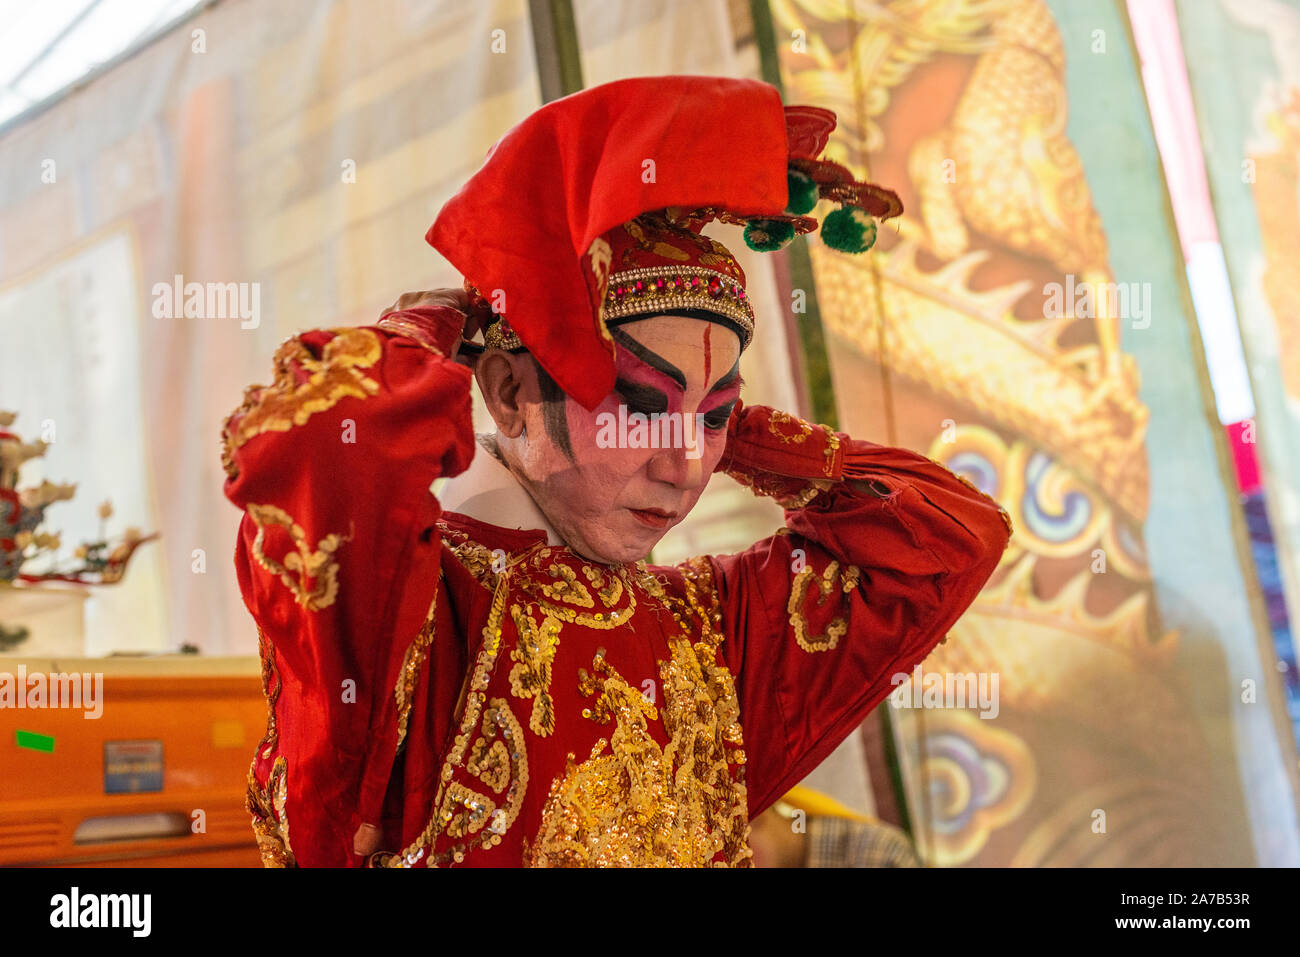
660 283
640 287
677 282
715 287
695 282
740 292
619 293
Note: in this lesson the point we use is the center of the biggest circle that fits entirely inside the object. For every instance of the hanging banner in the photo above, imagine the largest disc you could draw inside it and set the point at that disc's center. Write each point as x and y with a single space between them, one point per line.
1026 323
1243 65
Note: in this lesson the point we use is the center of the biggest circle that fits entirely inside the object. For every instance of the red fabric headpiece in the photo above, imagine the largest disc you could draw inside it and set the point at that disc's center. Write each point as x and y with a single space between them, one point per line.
553 225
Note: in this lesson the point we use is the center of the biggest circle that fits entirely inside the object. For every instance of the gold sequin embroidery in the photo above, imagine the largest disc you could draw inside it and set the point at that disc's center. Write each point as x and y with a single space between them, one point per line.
409 673
267 655
271 845
778 418
798 597
286 403
490 763
501 764
787 492
270 820
481 562
606 676
640 804
567 599
568 588
531 676
451 794
697 578
832 446
302 563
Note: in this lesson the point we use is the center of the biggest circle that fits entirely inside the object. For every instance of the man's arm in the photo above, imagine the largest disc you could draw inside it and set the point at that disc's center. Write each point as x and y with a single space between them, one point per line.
331 464
882 552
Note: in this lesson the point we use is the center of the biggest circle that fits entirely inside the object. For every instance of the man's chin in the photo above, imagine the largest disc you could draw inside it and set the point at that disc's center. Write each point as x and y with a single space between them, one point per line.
632 546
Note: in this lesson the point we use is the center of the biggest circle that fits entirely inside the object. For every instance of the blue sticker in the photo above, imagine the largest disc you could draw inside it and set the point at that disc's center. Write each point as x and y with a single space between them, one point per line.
133 767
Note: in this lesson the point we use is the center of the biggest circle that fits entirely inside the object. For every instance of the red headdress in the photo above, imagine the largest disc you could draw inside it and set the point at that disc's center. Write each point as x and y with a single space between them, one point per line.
590 210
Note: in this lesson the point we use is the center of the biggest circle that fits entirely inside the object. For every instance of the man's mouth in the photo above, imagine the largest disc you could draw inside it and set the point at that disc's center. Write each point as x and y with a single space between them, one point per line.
653 517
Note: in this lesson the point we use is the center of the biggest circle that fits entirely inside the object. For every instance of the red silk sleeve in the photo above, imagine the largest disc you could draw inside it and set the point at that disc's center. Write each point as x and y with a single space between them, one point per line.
883 551
332 464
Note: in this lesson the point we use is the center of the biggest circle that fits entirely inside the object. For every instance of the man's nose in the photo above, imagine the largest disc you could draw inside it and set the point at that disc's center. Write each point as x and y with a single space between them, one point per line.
676 468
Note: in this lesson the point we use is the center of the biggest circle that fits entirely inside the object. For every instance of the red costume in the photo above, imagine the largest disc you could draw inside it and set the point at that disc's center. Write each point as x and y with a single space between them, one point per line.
490 699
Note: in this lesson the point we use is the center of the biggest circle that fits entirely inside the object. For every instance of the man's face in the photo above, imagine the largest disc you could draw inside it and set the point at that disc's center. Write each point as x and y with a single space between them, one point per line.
610 501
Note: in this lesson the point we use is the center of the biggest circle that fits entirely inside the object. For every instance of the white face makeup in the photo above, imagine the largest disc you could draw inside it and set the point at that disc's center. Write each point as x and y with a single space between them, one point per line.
613 500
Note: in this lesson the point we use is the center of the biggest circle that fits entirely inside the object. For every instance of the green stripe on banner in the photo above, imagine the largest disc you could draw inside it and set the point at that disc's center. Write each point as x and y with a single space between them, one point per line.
35 742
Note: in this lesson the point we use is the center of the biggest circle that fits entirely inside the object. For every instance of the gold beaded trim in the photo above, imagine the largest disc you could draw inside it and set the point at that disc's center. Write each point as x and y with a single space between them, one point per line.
731 302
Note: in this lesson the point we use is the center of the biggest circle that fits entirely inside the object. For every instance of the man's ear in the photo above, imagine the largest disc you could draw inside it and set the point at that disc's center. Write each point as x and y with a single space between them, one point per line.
508 381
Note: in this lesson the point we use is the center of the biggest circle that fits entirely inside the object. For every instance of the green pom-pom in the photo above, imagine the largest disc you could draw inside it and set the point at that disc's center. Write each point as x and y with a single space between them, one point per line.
802 190
849 230
768 235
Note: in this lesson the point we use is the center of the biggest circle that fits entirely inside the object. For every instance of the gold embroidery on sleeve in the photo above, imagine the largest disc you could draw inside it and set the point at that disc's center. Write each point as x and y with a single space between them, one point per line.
286 402
278 785
825 584
832 446
779 418
272 845
781 489
302 564
803 497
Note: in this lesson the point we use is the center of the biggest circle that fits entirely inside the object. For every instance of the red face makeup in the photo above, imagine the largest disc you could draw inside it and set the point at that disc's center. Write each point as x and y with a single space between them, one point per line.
642 457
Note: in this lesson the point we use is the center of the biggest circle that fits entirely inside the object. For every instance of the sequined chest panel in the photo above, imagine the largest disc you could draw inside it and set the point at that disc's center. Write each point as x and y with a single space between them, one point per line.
598 725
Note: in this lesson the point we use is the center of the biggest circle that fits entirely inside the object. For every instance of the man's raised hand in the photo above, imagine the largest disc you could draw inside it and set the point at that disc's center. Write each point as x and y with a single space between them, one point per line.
473 321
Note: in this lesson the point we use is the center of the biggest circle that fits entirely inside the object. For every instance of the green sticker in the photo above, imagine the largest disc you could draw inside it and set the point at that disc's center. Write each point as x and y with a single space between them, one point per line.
35 742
